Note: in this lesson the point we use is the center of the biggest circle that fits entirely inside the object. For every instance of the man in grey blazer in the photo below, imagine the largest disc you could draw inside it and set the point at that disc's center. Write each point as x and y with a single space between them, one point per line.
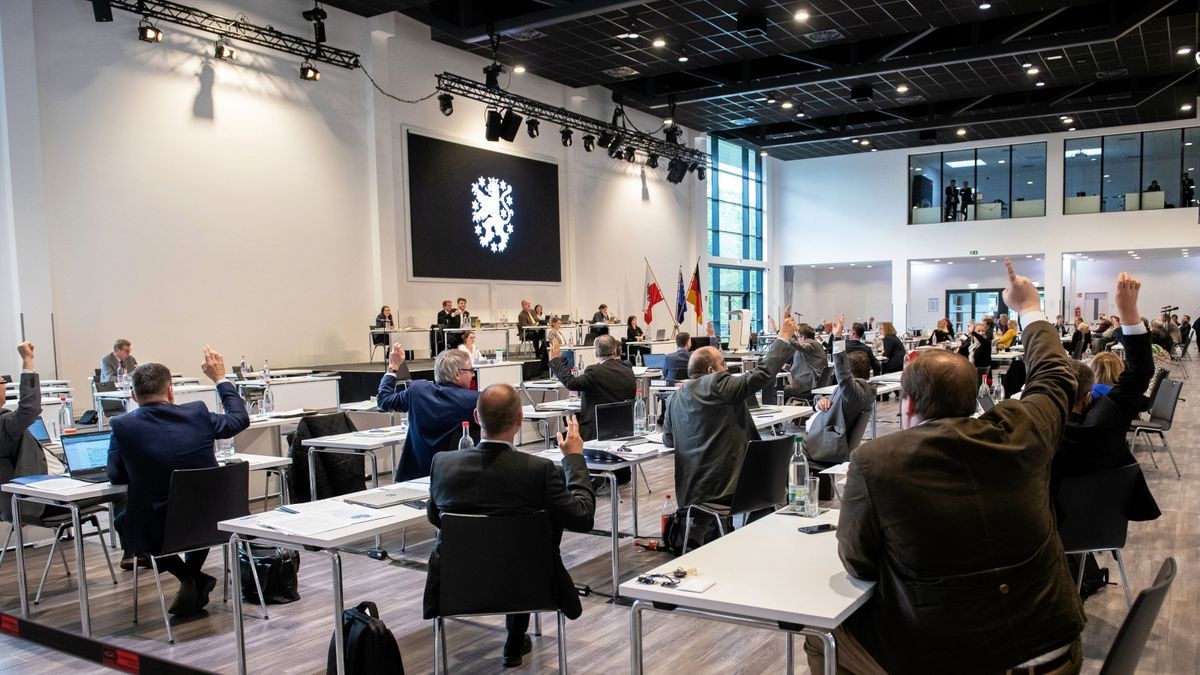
120 357
708 423
20 453
808 364
828 438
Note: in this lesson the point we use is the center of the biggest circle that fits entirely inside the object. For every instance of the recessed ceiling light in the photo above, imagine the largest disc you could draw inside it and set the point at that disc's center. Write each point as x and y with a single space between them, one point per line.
853 264
900 89
1039 83
1027 64
814 267
1185 107
950 262
1072 129
961 132
518 69
1029 256
864 142
786 105
1032 71
770 98
853 140
659 42
801 15
831 267
762 153
1106 175
982 258
1039 260
683 58
992 260
874 149
1054 57
1029 182
800 114
1129 252
985 5
870 265
1183 51
1187 143
937 260
1067 120
1001 161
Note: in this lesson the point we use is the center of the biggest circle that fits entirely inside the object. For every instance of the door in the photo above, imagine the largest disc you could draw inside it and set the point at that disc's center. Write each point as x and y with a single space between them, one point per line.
1093 304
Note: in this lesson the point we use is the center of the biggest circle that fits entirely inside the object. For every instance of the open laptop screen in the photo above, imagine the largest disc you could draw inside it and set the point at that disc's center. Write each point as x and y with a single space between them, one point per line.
86 451
39 431
614 420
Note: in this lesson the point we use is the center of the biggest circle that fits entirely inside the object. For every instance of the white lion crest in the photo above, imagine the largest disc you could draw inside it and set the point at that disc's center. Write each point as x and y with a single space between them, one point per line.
492 212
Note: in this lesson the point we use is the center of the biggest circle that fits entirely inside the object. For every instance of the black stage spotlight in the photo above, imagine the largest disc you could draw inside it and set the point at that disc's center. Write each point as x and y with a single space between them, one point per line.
510 125
446 104
606 139
492 127
672 133
700 171
147 32
307 72
567 140
492 75
630 153
531 128
615 152
223 51
589 142
676 170
692 167
102 10
316 16
652 161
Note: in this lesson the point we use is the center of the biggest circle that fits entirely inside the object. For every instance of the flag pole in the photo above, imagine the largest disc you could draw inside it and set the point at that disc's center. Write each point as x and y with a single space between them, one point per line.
655 277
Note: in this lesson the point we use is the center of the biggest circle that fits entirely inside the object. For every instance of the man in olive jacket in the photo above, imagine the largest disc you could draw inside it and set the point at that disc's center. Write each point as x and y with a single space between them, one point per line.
951 517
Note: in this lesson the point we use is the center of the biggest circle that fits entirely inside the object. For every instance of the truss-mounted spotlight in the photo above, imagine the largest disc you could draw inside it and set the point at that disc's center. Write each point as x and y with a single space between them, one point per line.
147 32
565 133
630 153
531 128
492 75
307 72
446 104
652 161
606 139
223 51
589 142
316 16
672 133
615 151
700 172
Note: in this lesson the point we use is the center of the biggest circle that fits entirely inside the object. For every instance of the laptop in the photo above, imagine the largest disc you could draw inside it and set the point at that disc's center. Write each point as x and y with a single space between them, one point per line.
565 318
40 432
87 456
614 421
661 334
658 361
379 499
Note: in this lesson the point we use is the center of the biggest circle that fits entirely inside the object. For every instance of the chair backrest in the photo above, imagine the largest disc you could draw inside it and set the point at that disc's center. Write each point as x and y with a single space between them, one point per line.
1165 400
200 498
1091 509
497 564
826 377
763 477
854 438
1135 630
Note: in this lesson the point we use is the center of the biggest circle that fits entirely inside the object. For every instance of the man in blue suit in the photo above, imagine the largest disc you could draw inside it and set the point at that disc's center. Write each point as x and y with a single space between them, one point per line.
153 441
436 410
676 363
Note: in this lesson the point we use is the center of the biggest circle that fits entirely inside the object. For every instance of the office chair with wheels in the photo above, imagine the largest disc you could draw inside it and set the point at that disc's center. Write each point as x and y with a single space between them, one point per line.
1092 519
197 500
496 565
1162 415
1131 639
762 483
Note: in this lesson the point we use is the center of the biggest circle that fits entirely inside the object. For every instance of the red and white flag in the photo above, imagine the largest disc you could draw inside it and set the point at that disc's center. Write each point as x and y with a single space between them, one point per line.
653 295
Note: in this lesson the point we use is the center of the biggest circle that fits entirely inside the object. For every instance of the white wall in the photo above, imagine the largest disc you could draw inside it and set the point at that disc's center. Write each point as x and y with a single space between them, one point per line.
859 293
182 200
853 207
1165 281
932 280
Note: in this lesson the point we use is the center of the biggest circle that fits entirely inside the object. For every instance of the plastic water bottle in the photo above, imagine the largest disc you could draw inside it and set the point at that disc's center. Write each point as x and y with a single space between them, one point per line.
466 442
639 414
983 387
245 370
574 394
639 359
266 373
665 515
998 391
225 449
66 417
798 479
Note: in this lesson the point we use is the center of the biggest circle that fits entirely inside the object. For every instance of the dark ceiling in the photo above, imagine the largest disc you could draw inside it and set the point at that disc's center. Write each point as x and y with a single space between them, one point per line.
1102 62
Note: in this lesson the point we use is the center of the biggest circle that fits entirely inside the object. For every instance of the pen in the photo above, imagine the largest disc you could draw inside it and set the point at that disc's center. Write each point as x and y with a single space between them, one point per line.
287 510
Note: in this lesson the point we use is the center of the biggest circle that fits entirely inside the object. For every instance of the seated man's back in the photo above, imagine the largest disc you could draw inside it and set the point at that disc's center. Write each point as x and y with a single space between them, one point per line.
828 438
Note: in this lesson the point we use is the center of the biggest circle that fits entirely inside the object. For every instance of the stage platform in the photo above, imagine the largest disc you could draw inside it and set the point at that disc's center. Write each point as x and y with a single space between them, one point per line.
360 381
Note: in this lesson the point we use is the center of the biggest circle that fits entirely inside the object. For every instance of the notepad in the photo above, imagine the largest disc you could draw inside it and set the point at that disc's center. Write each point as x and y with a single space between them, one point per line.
695 585
53 483
317 517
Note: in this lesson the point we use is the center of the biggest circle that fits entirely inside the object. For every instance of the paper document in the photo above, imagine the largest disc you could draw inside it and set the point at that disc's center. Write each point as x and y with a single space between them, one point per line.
295 412
839 469
384 431
317 517
607 446
54 483
655 437
360 406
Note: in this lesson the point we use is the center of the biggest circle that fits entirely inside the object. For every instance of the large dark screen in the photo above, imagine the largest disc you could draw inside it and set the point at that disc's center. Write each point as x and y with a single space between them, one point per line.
481 214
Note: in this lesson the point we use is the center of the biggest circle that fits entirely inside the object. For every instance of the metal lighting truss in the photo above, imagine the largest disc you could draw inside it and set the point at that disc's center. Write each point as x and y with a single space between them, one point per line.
531 109
242 31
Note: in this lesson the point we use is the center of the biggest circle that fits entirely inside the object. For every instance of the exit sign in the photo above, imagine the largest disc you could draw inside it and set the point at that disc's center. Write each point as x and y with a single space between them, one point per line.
973 253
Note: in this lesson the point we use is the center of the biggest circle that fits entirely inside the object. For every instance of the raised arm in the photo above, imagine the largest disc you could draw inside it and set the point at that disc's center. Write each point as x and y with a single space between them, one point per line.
1139 359
570 498
29 405
236 419
1050 386
387 398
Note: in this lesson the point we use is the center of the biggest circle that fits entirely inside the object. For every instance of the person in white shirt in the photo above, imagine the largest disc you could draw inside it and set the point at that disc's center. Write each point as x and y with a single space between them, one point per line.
468 346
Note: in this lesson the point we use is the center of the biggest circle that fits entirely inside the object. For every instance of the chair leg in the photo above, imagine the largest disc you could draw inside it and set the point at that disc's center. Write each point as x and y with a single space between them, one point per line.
50 560
225 573
720 525
1148 444
107 558
1124 579
135 592
7 541
562 644
112 526
262 599
1167 447
537 624
162 600
687 528
645 480
439 646
1082 565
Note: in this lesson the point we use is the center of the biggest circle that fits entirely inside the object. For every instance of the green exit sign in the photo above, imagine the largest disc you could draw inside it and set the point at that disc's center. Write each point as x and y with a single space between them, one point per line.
973 253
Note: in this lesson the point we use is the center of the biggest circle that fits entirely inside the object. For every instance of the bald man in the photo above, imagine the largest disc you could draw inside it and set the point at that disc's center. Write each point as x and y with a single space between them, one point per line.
494 479
525 319
708 422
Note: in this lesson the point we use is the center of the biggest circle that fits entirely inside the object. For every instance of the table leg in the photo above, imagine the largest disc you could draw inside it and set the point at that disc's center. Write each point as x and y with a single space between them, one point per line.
789 653
21 581
635 638
339 647
85 611
312 474
874 407
634 471
616 534
239 635
375 484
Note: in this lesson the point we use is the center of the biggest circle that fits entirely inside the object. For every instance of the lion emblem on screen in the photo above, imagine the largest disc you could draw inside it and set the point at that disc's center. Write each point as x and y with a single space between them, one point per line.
492 212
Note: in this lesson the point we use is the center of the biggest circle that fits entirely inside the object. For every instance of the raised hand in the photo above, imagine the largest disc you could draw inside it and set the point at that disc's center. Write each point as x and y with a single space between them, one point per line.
839 324
396 356
1127 296
569 441
213 366
1021 294
788 329
25 349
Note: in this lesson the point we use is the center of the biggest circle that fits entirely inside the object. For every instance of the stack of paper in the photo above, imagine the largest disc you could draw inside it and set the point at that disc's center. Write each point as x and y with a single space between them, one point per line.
317 517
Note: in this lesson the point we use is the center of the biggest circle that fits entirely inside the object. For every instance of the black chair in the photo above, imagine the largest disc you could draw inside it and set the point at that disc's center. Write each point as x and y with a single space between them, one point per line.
826 378
59 520
379 340
1162 414
496 565
762 483
197 500
110 407
1091 516
1131 639
335 474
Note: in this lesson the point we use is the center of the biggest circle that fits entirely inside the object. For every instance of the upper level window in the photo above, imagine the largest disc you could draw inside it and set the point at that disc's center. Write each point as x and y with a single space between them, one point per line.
1008 181
735 202
1130 171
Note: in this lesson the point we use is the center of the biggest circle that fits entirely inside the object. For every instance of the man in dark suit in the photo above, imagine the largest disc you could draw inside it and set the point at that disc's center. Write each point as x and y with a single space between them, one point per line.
828 439
118 360
951 517
535 336
495 479
601 315
20 453
436 410
153 441
610 380
445 314
951 199
809 362
675 365
856 344
708 423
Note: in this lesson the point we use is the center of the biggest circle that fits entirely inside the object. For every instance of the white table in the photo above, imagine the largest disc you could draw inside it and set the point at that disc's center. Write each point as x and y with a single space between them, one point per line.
655 346
484 336
766 575
392 331
271 465
69 499
504 372
50 410
355 443
205 393
774 414
248 529
299 391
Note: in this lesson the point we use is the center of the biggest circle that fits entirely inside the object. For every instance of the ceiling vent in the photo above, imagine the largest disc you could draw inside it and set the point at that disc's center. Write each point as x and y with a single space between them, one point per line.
620 72
743 122
824 35
1111 74
752 25
861 93
908 100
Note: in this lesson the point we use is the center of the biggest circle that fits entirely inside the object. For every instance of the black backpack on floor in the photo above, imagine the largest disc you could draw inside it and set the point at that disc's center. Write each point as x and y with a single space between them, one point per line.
369 646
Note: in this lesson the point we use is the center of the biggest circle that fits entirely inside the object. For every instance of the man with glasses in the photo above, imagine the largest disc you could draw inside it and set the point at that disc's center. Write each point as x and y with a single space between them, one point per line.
118 361
436 410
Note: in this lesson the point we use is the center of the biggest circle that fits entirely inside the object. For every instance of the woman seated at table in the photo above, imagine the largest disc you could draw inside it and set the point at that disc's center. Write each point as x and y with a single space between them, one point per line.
1006 339
942 333
539 315
978 349
632 332
383 322
468 346
555 332
893 348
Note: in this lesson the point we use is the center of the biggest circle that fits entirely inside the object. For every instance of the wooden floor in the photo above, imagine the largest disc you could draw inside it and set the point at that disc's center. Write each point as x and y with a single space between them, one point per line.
296 638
